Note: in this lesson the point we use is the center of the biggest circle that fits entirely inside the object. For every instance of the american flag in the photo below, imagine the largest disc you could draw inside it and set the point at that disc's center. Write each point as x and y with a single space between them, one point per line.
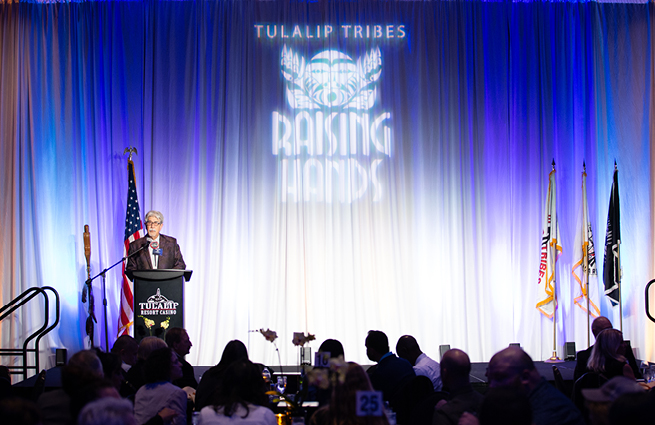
133 231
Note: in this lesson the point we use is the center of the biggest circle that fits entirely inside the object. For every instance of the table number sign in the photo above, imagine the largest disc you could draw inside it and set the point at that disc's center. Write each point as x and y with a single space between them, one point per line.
322 359
369 403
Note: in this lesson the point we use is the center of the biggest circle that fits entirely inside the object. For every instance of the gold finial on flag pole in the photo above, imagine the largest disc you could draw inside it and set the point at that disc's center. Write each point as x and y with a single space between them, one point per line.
131 150
584 167
553 164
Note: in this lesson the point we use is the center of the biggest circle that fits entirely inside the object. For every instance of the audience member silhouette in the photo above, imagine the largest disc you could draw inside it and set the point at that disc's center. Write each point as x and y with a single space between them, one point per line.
240 399
342 409
600 324
5 382
178 340
161 367
83 368
598 400
332 346
19 411
86 390
111 366
513 368
322 395
391 373
505 406
126 348
455 372
233 391
407 348
136 376
212 379
632 408
608 355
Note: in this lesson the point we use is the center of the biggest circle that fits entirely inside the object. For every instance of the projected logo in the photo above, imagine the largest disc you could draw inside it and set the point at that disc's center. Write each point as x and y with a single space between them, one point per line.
332 142
331 79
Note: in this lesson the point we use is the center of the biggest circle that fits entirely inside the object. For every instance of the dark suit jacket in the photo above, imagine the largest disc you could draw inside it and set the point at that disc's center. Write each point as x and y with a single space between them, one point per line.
390 375
188 378
170 259
583 358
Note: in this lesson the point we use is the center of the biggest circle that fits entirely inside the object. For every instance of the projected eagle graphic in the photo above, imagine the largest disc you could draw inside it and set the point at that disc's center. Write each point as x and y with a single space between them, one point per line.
331 79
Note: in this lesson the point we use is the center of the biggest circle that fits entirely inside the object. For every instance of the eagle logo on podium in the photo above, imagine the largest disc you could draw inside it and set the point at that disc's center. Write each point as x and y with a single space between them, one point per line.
331 79
157 298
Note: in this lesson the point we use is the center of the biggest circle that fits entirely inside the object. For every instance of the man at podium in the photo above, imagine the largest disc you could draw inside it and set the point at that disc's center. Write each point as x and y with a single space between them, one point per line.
162 251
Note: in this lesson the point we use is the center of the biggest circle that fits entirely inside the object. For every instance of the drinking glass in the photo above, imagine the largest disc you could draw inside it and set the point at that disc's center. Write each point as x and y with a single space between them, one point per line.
281 384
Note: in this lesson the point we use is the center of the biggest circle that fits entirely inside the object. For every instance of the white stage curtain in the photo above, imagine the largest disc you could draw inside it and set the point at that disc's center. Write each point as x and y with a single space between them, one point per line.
433 232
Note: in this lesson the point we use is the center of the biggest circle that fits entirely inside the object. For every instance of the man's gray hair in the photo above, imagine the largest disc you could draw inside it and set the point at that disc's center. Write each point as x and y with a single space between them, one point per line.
159 216
107 411
87 360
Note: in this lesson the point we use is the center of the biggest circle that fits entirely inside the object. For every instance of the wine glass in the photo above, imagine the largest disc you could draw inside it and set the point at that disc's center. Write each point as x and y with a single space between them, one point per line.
281 384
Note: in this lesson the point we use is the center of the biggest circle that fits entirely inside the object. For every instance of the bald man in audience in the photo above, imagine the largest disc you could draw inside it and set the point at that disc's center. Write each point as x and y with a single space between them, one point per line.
597 326
513 368
455 372
407 348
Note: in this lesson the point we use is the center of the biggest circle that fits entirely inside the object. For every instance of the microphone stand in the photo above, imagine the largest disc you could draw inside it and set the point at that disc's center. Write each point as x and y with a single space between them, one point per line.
104 288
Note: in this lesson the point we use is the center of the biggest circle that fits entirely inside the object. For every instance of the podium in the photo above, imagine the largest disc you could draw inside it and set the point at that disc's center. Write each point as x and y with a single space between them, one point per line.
158 300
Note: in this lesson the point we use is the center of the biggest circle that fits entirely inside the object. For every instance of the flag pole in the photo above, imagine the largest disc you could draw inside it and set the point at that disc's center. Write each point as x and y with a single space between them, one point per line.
133 231
586 273
585 259
554 358
619 272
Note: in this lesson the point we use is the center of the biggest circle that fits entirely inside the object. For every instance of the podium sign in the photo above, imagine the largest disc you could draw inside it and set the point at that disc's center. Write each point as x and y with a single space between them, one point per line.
158 301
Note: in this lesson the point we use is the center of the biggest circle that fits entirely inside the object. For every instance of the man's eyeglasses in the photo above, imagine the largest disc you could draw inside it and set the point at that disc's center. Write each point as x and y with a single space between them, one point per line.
152 223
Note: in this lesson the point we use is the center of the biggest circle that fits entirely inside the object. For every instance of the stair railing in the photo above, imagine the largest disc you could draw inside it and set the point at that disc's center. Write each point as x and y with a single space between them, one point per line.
24 352
650 316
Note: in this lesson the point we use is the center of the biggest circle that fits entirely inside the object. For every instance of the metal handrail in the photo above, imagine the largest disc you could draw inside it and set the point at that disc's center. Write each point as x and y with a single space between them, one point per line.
14 305
647 307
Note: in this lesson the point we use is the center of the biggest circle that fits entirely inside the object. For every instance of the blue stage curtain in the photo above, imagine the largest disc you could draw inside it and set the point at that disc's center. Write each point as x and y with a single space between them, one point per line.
417 213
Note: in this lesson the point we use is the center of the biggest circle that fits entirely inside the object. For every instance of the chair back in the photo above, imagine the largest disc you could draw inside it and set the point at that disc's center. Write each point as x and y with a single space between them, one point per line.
586 381
410 395
559 382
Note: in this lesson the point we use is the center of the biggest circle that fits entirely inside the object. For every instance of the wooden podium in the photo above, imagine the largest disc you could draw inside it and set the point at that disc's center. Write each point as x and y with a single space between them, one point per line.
158 300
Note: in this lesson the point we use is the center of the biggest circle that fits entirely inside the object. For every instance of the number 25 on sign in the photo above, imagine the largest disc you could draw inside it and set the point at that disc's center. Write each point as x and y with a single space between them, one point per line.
369 403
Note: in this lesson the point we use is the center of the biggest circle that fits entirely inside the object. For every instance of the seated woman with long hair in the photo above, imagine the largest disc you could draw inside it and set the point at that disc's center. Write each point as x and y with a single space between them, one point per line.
161 367
213 378
342 409
240 399
608 356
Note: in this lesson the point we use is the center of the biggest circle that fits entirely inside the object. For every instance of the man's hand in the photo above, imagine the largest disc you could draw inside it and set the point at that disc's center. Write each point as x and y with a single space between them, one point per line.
468 419
167 415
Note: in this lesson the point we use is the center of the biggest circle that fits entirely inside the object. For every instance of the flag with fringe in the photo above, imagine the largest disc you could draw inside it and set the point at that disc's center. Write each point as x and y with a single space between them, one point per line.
550 250
584 265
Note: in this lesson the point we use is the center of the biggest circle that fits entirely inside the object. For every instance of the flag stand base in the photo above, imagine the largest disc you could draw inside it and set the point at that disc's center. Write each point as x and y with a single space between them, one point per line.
554 359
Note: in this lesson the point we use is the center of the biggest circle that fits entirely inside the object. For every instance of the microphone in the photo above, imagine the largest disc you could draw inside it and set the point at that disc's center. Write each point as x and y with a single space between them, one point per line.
156 252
